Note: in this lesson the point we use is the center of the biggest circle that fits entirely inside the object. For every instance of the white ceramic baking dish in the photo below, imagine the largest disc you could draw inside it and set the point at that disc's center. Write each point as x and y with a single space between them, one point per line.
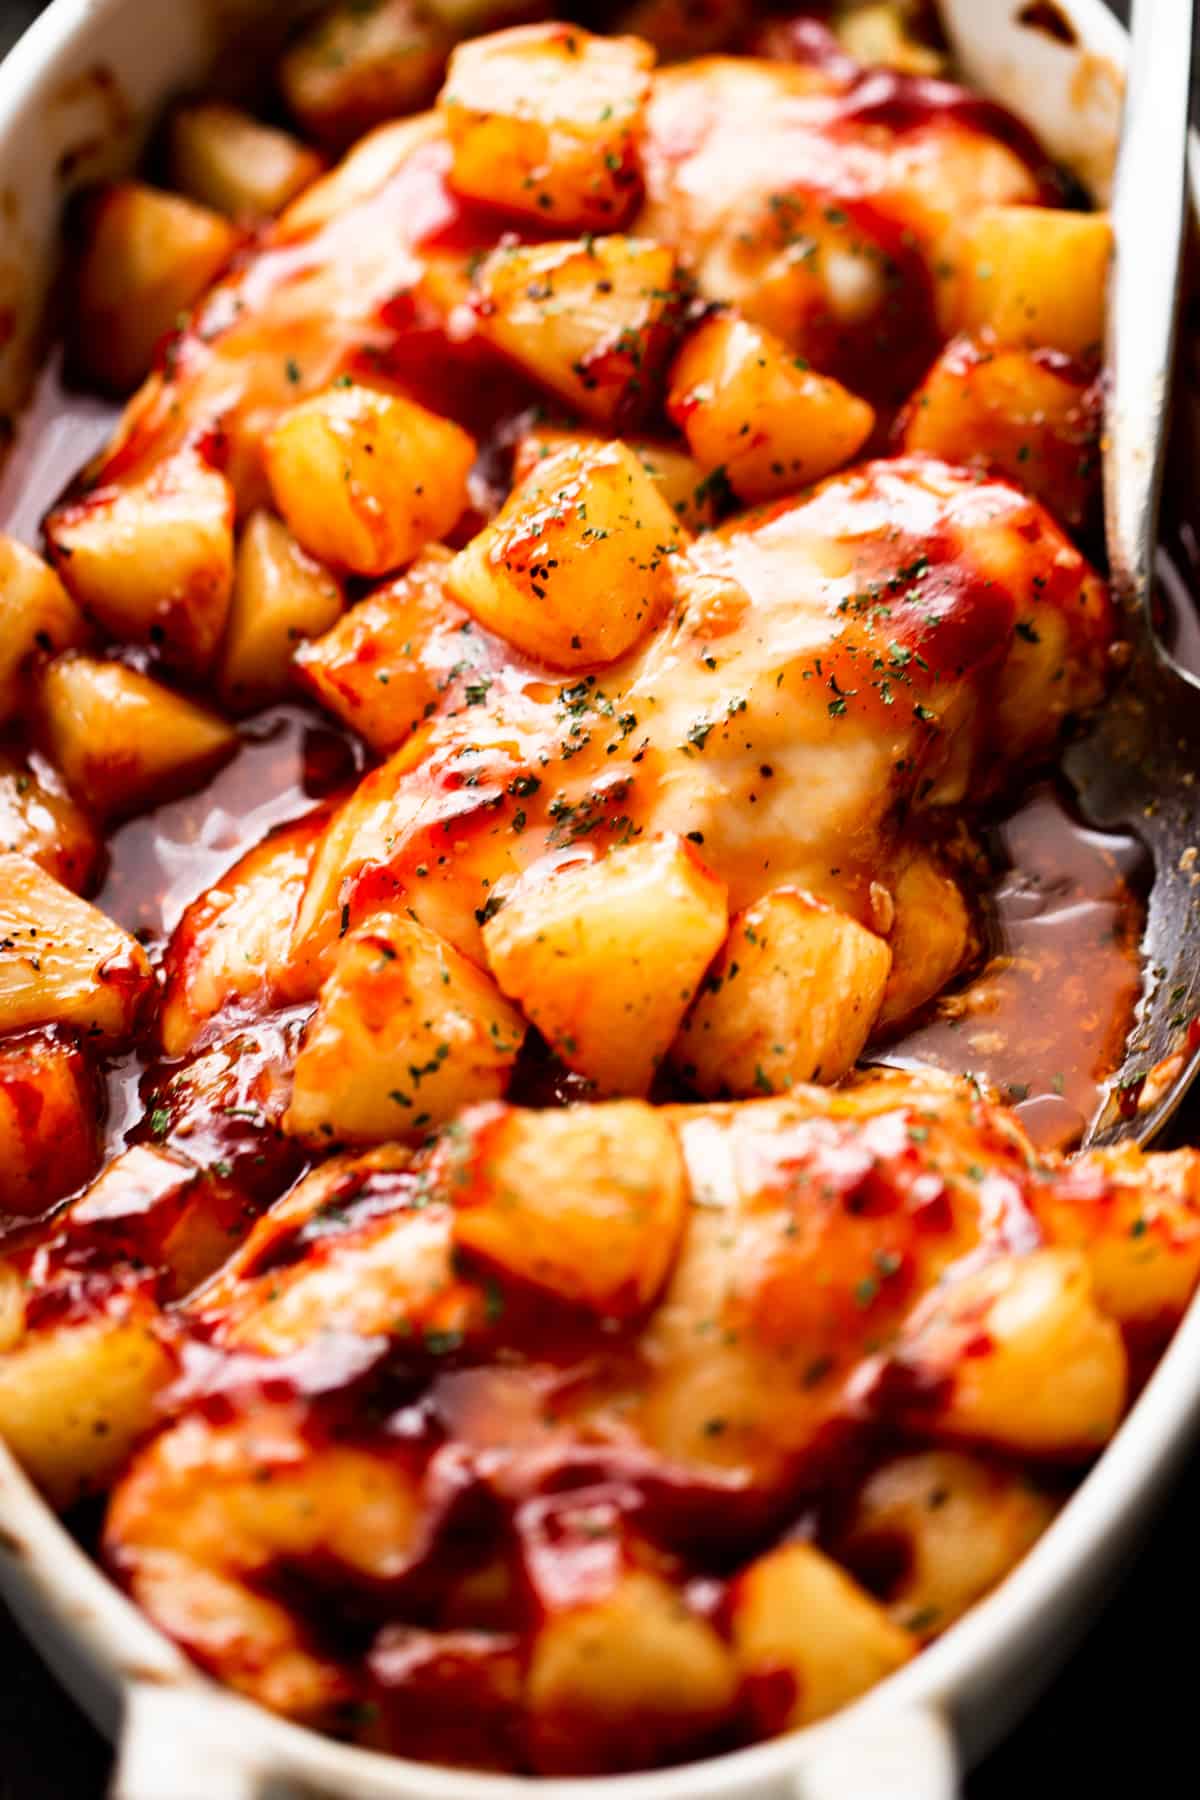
74 97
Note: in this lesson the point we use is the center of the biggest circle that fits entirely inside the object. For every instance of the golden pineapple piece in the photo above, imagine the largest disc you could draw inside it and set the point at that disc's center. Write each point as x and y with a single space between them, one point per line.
357 65
792 997
795 1611
1035 276
604 1232
223 158
76 1397
748 406
122 740
232 946
931 939
63 962
605 958
147 257
1021 412
625 1679
546 122
1017 1355
407 1031
365 479
49 1112
577 565
37 617
368 669
153 562
593 319
681 481
281 597
39 819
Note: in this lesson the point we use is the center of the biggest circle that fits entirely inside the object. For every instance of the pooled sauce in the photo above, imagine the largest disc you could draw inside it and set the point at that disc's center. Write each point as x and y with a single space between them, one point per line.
1044 1019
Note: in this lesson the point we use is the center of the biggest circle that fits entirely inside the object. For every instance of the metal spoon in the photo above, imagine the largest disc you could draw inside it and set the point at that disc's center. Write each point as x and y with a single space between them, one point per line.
1138 764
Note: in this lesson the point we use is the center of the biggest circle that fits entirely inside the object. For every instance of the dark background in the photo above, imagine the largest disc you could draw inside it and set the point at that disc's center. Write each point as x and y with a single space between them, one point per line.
1125 1710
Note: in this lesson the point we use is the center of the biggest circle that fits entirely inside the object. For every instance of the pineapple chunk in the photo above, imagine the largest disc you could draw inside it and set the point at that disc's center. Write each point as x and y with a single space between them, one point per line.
37 616
407 1031
604 958
881 33
232 946
48 1116
1034 276
153 562
960 1524
365 479
39 819
794 1611
931 939
680 480
75 1398
358 65
792 997
1019 411
280 598
223 158
366 670
1016 1355
625 1679
147 257
576 566
748 406
604 1233
546 122
122 740
592 320
62 961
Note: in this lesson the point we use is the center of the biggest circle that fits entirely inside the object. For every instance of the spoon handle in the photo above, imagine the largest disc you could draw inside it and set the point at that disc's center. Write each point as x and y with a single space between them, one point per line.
1148 228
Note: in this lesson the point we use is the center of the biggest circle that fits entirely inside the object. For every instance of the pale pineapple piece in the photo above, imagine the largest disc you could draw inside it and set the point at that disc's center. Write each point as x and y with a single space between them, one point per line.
751 408
407 1031
626 1679
931 939
1016 1355
122 740
281 597
681 481
1035 276
880 34
75 1399
39 819
950 1525
365 479
592 319
603 1233
546 122
223 158
153 562
48 1118
795 1611
605 958
792 997
366 669
577 565
37 617
147 257
62 961
357 65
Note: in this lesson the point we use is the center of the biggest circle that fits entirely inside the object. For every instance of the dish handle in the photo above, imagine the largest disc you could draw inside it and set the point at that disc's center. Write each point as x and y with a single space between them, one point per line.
185 1743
